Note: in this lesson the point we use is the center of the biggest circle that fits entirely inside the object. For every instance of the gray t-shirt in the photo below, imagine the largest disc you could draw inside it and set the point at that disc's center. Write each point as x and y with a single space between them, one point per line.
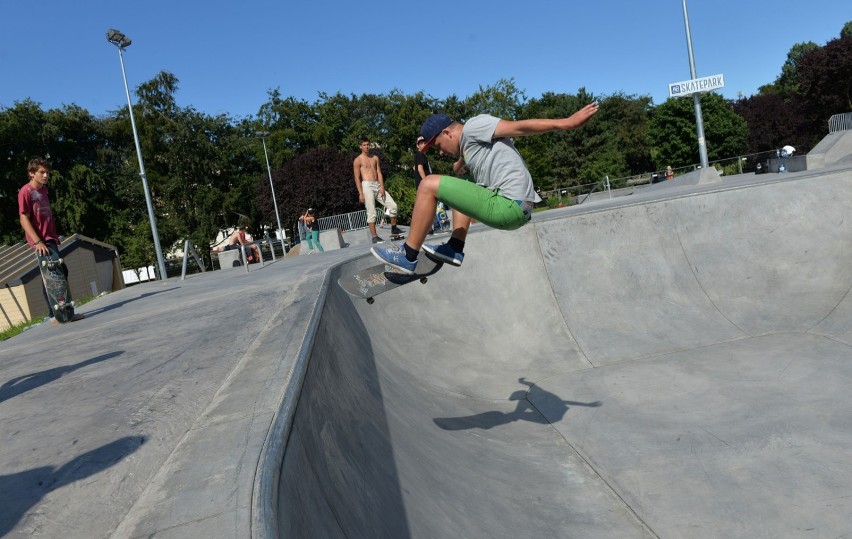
495 164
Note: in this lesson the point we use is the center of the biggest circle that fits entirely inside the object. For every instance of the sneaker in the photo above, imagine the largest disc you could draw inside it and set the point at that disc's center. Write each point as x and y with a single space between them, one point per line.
395 256
444 253
377 239
396 231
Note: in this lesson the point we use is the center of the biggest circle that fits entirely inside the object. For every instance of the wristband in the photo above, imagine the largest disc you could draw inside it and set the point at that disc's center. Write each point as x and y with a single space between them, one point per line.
39 241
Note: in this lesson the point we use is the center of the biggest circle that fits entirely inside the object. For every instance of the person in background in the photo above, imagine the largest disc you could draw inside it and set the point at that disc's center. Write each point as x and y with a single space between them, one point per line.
312 234
37 220
371 187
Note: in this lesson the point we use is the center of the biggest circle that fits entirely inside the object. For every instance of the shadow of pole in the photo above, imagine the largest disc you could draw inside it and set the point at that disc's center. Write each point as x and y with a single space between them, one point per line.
28 382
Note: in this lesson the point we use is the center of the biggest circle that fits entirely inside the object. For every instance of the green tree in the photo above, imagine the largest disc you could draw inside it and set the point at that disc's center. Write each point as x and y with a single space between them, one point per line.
320 178
291 123
21 138
788 81
502 99
566 158
673 136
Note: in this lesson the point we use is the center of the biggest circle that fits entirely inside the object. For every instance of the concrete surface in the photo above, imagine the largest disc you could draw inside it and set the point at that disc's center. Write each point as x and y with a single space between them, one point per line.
834 148
148 418
673 363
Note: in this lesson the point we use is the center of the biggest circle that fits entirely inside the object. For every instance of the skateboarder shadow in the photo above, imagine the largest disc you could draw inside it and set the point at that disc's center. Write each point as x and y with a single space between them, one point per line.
534 405
21 491
28 382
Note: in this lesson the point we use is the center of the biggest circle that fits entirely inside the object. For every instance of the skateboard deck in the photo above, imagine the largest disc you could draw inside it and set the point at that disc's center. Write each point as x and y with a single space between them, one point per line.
397 237
58 293
370 282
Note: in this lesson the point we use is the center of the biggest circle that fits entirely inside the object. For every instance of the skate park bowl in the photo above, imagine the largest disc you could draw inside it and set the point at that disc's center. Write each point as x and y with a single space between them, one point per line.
668 364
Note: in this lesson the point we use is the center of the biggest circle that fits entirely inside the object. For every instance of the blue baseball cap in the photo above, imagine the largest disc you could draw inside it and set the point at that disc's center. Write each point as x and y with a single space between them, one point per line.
432 127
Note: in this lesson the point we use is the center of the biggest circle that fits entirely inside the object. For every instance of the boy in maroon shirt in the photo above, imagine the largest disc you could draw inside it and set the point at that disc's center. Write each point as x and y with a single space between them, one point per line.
37 217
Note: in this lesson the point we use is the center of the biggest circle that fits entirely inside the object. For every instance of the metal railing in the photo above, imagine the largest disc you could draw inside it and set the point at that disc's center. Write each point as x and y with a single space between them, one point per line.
579 193
840 122
346 221
355 220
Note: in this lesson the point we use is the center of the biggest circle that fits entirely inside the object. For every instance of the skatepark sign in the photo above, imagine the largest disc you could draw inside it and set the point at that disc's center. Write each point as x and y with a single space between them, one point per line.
695 86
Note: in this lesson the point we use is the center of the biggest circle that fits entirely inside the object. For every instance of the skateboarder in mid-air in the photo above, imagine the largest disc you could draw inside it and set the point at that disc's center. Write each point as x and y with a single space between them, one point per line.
502 197
37 217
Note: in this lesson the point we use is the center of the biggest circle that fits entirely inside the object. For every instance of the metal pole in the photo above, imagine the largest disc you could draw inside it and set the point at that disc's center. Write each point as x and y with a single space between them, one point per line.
702 143
272 188
151 216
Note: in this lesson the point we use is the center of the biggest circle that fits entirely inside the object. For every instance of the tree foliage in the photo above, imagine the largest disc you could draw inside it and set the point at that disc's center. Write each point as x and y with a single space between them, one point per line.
674 137
320 178
206 173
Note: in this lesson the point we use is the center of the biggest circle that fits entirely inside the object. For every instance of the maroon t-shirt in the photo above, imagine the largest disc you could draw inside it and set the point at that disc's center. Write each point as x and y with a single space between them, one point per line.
35 204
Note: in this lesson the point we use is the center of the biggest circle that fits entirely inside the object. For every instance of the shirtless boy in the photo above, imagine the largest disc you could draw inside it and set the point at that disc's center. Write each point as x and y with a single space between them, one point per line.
371 187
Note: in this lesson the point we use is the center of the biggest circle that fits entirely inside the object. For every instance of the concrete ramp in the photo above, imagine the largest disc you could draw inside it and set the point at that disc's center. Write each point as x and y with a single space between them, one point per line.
834 148
676 366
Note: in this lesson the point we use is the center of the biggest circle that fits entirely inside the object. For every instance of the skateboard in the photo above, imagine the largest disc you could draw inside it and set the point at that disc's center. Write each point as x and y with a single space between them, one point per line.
397 237
56 284
370 282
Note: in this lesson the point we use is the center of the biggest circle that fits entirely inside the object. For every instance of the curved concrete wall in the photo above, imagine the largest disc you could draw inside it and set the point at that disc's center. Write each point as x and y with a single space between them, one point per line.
518 395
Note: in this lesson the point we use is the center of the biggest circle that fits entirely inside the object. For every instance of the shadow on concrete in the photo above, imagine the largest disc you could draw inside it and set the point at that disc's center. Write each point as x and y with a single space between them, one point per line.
28 382
531 407
21 491
125 302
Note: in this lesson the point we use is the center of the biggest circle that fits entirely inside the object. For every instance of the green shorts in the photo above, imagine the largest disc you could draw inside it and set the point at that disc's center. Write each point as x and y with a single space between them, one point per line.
480 203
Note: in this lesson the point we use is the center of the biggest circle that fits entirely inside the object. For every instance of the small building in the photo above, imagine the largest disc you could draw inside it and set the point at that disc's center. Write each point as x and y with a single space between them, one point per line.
93 266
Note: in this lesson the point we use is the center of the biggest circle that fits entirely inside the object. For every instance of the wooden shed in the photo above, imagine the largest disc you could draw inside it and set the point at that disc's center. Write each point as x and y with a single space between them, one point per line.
93 268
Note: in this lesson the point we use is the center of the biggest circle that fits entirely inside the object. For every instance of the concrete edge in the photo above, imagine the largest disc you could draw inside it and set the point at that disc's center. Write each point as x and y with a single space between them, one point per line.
641 197
264 503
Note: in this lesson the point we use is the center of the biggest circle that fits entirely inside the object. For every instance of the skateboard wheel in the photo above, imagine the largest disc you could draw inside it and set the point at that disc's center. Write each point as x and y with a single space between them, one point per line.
43 263
424 279
55 307
59 261
370 301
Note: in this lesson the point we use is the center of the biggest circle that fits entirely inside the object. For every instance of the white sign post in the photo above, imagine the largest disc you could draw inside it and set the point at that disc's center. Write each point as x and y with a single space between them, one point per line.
696 86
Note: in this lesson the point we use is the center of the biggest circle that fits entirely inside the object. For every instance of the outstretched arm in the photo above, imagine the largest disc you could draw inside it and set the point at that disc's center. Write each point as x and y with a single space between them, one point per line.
534 126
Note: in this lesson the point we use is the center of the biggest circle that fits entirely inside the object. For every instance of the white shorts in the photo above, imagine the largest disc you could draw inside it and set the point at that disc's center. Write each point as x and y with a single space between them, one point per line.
371 195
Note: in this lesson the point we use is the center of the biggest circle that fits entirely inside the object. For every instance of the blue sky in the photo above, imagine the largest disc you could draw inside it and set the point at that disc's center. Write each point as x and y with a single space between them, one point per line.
228 55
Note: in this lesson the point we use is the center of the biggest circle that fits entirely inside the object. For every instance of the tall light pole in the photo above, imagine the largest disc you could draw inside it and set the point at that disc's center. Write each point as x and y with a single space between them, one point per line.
262 136
122 42
699 121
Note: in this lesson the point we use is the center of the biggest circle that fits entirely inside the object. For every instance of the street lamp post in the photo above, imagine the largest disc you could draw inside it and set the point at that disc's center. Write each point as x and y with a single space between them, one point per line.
122 42
699 121
262 136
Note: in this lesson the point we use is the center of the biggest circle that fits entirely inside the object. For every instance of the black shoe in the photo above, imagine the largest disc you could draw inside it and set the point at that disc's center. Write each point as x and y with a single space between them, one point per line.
395 230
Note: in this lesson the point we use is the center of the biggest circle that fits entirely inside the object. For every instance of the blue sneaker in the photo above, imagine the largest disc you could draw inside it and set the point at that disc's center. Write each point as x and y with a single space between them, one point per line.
395 256
444 253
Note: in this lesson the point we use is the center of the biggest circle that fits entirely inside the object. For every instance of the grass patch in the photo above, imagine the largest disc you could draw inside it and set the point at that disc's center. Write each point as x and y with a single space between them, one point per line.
8 333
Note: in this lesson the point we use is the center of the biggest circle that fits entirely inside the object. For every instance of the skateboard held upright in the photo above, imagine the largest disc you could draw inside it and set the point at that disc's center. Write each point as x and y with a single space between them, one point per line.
56 284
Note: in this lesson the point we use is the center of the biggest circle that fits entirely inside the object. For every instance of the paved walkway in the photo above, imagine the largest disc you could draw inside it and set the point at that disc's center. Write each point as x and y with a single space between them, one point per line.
148 417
